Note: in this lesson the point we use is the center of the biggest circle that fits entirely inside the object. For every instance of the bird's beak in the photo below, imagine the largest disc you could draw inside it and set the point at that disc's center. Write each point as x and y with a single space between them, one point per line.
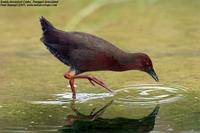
153 74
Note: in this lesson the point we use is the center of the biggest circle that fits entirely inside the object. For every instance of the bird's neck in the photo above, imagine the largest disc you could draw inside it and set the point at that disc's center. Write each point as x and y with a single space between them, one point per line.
129 62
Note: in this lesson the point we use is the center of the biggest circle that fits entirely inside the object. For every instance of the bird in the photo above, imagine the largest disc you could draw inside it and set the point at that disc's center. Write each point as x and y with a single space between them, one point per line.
84 52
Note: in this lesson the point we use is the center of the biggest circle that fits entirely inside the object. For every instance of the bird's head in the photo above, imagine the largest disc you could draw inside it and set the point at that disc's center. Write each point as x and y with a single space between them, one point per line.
144 63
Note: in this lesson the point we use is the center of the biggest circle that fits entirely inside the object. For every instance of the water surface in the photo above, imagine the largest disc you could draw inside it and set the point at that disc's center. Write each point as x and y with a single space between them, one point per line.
34 96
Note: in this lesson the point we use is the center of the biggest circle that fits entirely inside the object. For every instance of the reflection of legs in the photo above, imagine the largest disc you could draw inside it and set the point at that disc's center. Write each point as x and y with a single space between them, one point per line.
69 75
100 111
93 115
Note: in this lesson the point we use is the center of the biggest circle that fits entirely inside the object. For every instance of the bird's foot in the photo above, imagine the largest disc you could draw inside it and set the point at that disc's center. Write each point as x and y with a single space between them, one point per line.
94 80
74 96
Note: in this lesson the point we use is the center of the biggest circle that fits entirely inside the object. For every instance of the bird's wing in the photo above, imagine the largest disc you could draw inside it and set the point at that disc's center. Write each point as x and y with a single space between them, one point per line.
83 51
88 41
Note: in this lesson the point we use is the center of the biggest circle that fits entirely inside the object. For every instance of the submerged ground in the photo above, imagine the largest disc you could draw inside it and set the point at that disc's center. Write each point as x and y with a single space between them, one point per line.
34 95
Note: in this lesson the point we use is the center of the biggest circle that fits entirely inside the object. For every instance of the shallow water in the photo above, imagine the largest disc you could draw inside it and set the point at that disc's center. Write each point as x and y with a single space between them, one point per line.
127 109
34 96
143 94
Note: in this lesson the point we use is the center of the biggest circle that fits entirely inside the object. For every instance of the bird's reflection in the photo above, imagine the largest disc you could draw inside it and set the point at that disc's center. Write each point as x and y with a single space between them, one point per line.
93 123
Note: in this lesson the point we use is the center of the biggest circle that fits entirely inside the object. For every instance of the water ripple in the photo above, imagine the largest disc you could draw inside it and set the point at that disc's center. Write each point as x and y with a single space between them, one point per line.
81 97
148 94
142 94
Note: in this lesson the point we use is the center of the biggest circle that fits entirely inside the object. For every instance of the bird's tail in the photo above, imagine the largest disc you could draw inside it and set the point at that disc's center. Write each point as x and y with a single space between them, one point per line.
46 25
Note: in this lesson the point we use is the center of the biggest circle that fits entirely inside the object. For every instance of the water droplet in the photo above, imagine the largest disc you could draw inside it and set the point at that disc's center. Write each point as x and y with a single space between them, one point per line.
126 91
64 107
144 93
170 129
70 86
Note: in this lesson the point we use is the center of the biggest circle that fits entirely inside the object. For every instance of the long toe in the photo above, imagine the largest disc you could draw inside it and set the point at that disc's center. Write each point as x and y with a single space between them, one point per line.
91 82
101 83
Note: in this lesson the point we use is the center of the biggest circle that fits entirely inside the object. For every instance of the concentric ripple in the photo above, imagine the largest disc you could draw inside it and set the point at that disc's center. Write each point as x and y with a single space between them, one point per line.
142 94
148 94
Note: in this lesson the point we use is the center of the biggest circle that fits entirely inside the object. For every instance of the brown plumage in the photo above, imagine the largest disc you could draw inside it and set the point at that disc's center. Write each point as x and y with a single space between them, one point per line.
84 52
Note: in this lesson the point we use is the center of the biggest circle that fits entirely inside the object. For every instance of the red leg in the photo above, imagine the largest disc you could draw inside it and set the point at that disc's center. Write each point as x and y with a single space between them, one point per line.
70 76
92 80
71 82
